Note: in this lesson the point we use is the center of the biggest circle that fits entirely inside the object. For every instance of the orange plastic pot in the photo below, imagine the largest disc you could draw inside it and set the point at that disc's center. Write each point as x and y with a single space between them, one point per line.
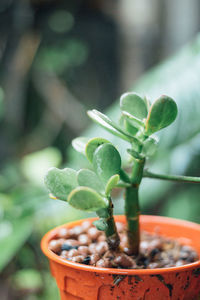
82 282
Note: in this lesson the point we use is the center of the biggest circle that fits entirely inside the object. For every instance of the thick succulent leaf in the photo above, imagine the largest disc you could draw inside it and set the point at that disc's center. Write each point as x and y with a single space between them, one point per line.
85 198
101 224
61 182
80 143
147 102
150 146
134 105
112 182
108 124
130 128
90 179
103 213
127 126
135 122
106 162
92 145
162 113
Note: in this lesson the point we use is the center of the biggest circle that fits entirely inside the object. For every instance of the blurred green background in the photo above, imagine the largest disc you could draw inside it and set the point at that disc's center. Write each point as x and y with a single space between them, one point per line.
60 58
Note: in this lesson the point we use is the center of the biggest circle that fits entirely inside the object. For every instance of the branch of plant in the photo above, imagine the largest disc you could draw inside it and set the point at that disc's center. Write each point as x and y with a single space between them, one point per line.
179 178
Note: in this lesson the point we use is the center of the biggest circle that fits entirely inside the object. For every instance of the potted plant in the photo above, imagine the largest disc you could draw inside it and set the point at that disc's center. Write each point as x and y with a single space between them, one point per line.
129 260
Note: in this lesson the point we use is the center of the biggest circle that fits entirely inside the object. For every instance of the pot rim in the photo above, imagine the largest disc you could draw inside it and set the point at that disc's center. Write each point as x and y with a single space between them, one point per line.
144 218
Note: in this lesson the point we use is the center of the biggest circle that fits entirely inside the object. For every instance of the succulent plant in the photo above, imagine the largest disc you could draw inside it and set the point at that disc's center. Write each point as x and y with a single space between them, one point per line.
90 190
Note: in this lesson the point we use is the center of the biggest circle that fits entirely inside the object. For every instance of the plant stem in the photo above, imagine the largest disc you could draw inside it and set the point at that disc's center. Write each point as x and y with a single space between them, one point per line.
111 231
124 176
132 209
132 212
179 178
123 185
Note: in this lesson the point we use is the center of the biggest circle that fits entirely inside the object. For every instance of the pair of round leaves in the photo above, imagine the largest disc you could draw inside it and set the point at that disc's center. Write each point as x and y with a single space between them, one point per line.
104 157
64 185
83 190
138 114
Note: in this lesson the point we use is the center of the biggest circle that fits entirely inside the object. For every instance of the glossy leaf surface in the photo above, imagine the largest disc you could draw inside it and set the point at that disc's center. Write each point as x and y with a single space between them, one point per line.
92 145
103 213
134 105
106 162
87 199
61 182
108 124
162 113
112 182
134 121
149 147
90 179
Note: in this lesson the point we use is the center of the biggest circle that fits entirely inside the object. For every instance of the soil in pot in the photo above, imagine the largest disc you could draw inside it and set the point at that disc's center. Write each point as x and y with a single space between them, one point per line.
87 245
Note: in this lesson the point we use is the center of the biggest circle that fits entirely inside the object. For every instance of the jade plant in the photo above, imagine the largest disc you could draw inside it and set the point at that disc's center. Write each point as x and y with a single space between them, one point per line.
90 189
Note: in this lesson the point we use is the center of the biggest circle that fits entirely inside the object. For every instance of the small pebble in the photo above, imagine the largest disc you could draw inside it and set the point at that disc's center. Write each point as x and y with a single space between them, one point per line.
101 248
83 250
101 238
124 240
55 245
86 225
64 254
186 248
64 233
127 250
153 253
179 263
124 261
70 244
93 233
86 260
73 252
78 259
76 231
94 258
153 265
92 248
104 263
84 239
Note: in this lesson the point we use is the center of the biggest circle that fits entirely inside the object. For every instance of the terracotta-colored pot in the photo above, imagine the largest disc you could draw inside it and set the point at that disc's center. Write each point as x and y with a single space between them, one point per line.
82 282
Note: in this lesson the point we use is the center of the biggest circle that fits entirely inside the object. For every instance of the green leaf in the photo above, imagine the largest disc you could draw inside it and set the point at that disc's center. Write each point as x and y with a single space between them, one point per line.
79 144
112 182
150 146
92 145
61 182
101 224
135 122
106 162
103 213
17 234
27 279
35 165
108 124
90 179
162 113
85 198
134 105
127 126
